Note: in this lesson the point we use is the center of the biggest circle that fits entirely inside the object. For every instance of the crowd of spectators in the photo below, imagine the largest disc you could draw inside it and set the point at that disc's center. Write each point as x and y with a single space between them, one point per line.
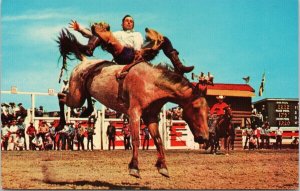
174 113
44 137
259 133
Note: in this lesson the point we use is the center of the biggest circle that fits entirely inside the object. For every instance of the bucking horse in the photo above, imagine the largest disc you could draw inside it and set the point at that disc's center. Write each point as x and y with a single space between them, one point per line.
144 90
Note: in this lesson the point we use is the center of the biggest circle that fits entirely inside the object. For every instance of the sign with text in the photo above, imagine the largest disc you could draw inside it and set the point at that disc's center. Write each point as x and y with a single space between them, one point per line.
286 113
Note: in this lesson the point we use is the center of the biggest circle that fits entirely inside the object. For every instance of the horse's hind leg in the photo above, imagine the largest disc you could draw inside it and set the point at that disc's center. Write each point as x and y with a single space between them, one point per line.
134 119
62 101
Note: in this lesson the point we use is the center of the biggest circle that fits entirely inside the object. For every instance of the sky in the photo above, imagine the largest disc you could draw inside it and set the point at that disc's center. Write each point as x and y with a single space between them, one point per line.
230 39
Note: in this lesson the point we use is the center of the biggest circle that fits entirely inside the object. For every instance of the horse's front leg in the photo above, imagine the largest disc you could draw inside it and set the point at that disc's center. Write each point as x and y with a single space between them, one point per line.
161 160
135 131
226 143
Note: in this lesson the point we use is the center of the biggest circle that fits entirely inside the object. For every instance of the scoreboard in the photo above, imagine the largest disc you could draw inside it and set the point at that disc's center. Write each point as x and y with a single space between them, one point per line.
280 112
286 113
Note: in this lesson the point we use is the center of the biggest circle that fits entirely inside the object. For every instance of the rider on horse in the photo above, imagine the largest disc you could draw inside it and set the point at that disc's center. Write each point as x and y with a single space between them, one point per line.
218 110
127 46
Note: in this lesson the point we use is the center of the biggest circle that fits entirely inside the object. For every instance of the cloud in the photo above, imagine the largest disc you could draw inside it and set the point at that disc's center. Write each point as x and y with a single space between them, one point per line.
38 15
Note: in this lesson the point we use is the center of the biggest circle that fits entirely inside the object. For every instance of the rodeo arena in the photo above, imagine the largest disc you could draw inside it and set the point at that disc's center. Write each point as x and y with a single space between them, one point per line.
215 137
255 129
255 124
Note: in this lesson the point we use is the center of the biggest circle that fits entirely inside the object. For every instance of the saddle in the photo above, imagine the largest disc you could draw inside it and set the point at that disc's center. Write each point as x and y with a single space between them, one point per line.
121 76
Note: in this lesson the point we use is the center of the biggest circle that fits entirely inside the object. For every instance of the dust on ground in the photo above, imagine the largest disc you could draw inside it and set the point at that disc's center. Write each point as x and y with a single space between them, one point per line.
188 169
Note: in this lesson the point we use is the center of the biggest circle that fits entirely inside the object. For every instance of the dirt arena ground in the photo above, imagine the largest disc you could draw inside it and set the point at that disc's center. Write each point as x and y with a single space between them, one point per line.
189 169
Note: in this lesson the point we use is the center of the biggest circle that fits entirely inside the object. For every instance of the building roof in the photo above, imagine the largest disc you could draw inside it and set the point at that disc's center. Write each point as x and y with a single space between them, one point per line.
234 90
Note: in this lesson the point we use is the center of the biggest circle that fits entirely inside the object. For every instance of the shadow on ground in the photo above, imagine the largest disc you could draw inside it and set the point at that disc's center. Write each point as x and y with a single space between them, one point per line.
99 184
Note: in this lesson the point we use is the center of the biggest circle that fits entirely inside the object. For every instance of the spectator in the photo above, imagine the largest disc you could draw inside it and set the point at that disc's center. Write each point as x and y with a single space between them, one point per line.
80 136
21 128
262 137
38 142
256 135
146 137
43 129
264 112
295 143
5 134
111 133
39 112
4 113
13 129
267 134
71 135
91 133
253 118
279 137
19 142
249 133
126 134
75 112
83 108
48 141
22 112
31 132
11 110
63 134
260 118
52 134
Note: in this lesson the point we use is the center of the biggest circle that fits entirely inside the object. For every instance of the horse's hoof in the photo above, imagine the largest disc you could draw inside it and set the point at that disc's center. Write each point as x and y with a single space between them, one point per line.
164 172
134 172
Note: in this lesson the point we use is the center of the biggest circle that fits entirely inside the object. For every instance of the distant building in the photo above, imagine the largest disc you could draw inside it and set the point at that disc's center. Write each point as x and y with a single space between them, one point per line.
239 96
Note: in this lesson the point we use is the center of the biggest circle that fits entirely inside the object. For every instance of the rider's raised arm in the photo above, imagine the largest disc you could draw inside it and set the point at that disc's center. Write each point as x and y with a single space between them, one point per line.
84 31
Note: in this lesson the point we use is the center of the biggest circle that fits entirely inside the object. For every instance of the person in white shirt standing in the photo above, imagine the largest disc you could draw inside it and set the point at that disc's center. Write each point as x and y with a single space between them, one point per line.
13 129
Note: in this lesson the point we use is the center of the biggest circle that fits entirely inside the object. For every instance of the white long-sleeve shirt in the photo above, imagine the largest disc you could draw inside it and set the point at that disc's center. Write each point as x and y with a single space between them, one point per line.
127 38
130 39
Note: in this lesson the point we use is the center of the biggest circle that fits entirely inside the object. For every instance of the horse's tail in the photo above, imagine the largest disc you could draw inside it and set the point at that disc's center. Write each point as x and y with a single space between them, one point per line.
68 46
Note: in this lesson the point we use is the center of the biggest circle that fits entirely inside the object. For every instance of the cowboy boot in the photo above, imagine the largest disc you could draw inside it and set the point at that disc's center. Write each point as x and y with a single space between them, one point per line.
179 67
108 41
92 44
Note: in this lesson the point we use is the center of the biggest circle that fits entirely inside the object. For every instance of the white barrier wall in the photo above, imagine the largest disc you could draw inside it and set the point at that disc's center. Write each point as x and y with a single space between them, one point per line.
175 134
179 136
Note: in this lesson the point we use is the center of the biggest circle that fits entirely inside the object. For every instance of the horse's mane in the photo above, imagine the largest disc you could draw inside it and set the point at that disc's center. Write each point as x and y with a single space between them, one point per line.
171 76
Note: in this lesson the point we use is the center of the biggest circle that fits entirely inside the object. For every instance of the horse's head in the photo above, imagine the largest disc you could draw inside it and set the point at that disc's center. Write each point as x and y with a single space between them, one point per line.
228 112
195 113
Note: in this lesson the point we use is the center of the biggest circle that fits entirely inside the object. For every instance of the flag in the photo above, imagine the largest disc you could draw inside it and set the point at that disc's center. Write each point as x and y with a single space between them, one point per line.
262 85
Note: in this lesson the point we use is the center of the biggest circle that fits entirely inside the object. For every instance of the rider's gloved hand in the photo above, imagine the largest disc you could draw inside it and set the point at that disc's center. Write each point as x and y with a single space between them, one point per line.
74 25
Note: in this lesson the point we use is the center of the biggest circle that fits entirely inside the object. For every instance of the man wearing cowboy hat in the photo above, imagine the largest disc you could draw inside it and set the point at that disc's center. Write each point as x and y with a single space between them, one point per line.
218 108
